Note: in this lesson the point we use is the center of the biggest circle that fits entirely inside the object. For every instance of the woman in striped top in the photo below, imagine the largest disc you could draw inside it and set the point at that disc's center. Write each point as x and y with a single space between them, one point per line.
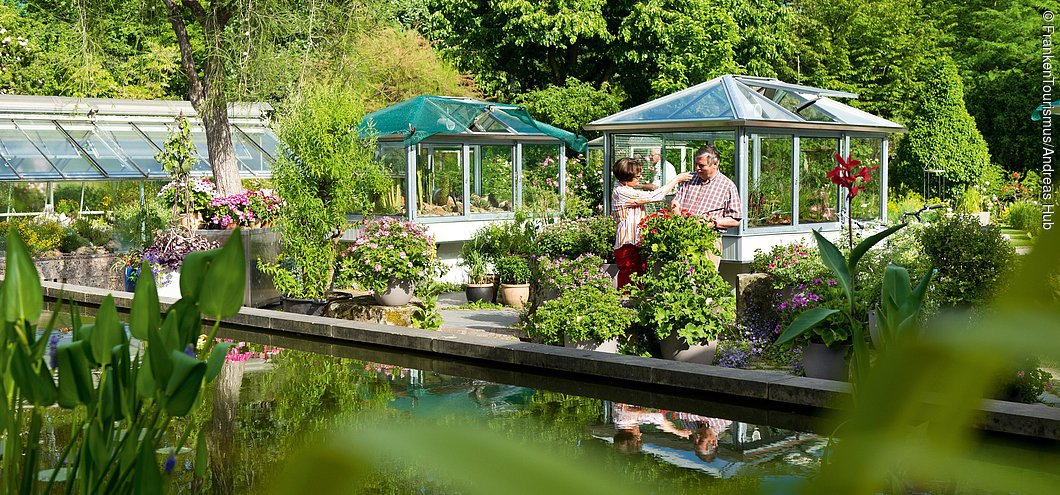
627 206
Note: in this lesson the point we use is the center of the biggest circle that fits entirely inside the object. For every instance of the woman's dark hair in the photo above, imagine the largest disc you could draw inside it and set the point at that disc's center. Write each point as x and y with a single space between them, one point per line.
626 169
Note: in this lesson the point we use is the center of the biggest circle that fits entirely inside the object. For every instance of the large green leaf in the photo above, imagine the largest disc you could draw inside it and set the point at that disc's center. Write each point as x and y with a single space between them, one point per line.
865 245
804 322
834 260
193 272
184 384
75 376
187 323
37 386
22 296
145 312
107 331
201 457
158 349
147 477
225 280
216 360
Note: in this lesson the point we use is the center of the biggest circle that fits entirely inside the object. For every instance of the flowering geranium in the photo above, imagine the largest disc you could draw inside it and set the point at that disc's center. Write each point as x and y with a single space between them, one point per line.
245 209
389 249
202 191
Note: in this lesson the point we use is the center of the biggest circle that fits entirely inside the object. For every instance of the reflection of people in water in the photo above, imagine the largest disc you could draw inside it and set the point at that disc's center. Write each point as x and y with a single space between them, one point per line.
702 430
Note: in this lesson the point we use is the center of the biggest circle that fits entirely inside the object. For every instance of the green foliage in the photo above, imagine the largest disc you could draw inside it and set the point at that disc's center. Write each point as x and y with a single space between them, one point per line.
1025 381
325 174
943 135
574 238
427 316
901 248
900 305
477 268
388 250
669 236
500 239
136 396
41 235
789 265
1025 216
686 297
571 105
71 240
135 224
513 270
973 261
561 274
479 305
969 200
583 313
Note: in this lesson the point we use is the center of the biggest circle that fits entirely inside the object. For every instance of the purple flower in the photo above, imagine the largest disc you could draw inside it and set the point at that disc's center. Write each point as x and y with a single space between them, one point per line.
53 346
190 350
831 283
171 461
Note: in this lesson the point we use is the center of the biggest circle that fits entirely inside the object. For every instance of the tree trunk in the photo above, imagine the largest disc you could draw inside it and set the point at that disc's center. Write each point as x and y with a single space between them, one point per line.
221 431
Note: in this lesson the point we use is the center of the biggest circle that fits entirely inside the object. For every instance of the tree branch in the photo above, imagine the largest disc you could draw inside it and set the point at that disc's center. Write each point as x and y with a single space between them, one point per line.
187 60
196 9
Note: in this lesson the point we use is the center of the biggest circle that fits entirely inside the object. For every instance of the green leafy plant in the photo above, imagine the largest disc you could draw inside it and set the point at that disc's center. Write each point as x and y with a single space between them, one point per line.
687 298
845 271
1025 216
513 270
389 249
178 158
561 274
427 316
899 304
41 235
1026 381
127 398
584 313
669 236
789 265
973 261
500 239
477 267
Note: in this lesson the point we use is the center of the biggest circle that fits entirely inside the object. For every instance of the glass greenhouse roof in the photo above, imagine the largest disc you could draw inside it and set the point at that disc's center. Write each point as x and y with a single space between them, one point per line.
424 116
745 100
50 138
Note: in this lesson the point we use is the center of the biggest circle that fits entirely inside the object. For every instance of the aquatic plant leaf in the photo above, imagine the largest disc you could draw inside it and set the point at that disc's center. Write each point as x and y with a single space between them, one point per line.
145 312
834 260
75 376
107 331
807 320
147 477
201 457
217 360
193 272
225 279
21 294
184 384
37 386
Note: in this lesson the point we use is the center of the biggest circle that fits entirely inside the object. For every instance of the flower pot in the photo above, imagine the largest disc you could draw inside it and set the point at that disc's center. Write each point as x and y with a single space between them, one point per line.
612 270
821 361
311 307
609 346
398 293
480 292
675 348
131 273
171 287
515 295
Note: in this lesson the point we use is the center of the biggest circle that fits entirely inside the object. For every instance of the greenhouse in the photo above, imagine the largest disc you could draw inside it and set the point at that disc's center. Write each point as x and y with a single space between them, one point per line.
471 162
777 143
85 147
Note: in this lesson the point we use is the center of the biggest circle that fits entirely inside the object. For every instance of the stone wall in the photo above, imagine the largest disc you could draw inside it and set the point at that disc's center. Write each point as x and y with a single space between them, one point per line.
93 270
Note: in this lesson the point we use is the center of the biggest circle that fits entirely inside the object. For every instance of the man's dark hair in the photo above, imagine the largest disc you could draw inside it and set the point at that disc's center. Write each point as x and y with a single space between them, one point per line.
626 169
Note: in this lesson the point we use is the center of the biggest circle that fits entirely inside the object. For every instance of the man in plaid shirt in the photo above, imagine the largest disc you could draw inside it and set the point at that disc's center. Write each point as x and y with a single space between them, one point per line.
710 194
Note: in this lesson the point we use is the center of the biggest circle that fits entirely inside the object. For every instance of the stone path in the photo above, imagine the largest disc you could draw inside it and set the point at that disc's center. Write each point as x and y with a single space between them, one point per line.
496 323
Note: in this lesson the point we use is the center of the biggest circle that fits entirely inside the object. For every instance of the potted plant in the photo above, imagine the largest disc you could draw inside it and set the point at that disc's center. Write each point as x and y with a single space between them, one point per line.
480 287
389 258
587 318
514 273
686 306
554 276
324 173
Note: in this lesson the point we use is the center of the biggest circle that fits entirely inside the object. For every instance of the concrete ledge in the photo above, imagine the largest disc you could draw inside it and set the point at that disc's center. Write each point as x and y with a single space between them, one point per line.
687 381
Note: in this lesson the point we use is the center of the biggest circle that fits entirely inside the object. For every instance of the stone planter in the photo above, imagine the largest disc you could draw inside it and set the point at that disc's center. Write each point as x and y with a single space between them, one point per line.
609 346
675 348
263 244
398 293
515 295
480 292
171 288
821 361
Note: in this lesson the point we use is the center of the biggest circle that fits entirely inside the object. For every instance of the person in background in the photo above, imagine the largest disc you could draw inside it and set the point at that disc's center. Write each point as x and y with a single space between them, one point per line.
627 206
664 170
710 194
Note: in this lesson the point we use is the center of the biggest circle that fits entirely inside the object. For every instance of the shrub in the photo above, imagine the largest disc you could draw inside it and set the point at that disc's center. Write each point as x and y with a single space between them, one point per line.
574 238
790 264
513 270
561 275
96 231
969 200
585 313
670 236
899 204
72 240
500 239
67 207
1025 216
901 248
1025 382
136 226
41 235
688 297
972 261
390 249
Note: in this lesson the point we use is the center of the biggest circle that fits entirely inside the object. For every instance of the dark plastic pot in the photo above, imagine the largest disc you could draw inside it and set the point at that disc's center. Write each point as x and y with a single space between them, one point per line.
311 307
480 292
829 363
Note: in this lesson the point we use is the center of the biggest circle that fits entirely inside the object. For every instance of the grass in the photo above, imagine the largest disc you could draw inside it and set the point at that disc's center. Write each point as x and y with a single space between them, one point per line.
1018 238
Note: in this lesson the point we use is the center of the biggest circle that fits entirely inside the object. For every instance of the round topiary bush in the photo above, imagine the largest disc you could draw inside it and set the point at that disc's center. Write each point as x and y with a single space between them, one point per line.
973 261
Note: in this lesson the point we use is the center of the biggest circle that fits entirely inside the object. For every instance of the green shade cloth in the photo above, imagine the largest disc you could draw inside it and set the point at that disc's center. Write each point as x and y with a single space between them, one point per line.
1036 115
418 118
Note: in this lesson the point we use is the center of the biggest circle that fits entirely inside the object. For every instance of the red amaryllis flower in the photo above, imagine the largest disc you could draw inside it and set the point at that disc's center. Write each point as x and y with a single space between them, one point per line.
846 174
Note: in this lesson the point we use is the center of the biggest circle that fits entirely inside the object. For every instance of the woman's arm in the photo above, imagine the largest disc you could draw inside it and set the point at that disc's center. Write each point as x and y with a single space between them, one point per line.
660 193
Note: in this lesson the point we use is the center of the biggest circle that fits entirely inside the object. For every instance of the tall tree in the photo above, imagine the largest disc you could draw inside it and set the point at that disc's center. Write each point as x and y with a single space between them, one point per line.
207 93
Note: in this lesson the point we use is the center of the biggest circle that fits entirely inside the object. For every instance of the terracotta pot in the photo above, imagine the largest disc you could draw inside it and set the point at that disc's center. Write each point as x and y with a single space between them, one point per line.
480 292
398 293
515 295
675 348
829 363
609 346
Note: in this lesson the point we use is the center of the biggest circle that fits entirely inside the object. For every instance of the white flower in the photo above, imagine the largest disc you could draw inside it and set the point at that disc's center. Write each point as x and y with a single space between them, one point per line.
987 183
3 31
7 39
23 42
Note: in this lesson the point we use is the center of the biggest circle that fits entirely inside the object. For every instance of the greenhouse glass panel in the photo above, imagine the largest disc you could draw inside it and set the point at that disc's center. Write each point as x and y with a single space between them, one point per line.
791 102
160 133
680 150
392 202
54 145
440 180
492 188
707 103
135 147
102 150
818 197
249 155
866 205
22 156
513 122
770 180
540 177
763 108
